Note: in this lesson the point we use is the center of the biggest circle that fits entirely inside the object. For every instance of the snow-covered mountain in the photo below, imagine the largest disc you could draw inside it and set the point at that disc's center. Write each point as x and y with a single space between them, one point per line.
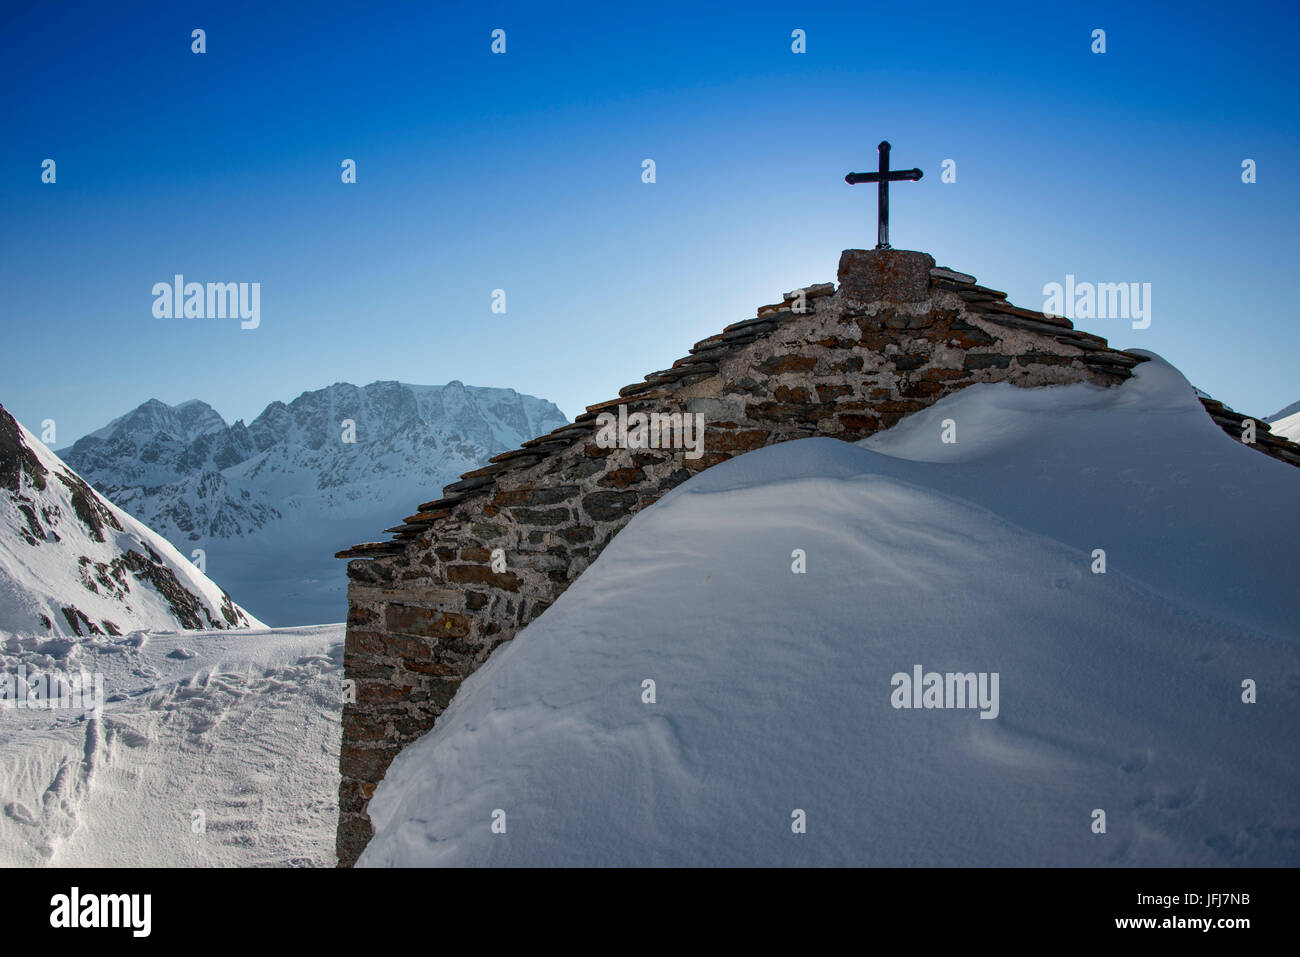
74 565
1286 422
269 503
724 685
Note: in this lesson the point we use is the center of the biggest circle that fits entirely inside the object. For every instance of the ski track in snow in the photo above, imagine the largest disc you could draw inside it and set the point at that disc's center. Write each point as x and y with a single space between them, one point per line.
209 722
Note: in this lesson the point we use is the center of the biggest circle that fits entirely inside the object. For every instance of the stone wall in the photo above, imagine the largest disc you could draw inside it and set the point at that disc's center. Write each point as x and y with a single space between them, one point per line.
426 608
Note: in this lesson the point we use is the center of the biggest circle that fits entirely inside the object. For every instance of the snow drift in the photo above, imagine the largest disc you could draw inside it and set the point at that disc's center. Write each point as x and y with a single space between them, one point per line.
1120 692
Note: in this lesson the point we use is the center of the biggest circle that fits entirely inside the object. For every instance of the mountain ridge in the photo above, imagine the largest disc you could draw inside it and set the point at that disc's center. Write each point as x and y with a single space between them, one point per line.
1283 413
277 497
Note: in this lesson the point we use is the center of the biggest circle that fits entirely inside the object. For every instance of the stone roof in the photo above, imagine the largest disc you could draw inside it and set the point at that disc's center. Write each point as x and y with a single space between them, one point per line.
702 361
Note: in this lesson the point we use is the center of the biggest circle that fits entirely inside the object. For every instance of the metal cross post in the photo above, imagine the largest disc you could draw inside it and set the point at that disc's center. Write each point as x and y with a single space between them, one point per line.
883 178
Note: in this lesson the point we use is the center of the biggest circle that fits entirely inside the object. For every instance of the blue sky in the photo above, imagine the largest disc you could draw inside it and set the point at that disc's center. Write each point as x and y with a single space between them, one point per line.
523 172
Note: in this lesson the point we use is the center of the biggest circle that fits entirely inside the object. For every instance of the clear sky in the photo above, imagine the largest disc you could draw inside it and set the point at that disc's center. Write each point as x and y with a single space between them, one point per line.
522 172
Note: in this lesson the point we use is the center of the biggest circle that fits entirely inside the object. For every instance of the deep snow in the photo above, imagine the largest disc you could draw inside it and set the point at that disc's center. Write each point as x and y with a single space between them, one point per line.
1119 691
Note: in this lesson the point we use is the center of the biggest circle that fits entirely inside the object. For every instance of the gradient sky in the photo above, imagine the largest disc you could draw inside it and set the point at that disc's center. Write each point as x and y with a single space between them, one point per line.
523 172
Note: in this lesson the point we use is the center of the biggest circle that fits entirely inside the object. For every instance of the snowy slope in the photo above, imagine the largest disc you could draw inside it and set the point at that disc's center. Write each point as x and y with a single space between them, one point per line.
272 502
1288 426
242 728
73 565
1118 691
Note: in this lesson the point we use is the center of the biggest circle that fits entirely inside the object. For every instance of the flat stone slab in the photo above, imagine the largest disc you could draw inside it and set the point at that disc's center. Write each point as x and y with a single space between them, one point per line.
899 275
952 275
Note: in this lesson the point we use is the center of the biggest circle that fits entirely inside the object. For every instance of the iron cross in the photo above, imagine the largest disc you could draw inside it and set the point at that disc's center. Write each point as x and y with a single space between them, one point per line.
883 178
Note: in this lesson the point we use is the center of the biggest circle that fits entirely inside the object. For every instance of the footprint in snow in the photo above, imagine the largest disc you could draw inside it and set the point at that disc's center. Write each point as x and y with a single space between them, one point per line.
1137 761
20 813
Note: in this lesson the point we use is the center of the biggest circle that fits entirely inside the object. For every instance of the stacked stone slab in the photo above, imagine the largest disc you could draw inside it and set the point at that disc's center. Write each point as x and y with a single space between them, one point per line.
426 608
1265 441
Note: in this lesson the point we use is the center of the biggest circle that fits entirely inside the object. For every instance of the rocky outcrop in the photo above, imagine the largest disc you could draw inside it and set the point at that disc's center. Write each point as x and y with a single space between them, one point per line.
72 565
17 462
